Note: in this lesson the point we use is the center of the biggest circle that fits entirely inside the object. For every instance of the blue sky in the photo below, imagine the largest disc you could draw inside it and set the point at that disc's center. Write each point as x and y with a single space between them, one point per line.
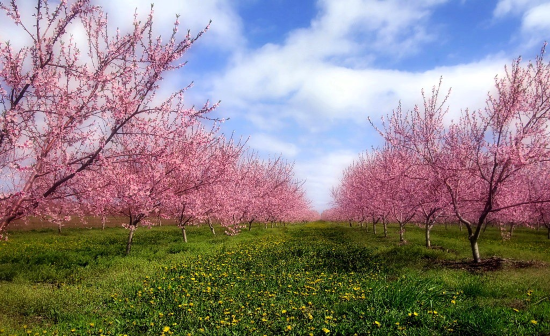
301 77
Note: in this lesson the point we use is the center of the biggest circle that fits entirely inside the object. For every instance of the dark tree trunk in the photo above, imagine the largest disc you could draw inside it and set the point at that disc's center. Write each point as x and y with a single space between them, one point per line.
428 241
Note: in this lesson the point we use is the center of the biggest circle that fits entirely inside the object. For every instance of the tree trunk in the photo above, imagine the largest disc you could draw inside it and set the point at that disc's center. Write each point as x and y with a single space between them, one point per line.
103 220
374 228
59 228
211 227
184 234
475 250
428 242
272 225
130 237
401 233
250 225
460 225
511 229
350 224
385 224
548 232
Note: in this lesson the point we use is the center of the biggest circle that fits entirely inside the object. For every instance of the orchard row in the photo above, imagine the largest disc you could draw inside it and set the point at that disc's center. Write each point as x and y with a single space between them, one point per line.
86 131
486 166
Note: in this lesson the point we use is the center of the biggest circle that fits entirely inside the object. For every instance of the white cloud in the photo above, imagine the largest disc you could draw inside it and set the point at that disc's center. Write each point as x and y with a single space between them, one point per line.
536 19
534 14
388 27
514 7
317 92
268 143
322 173
308 79
225 31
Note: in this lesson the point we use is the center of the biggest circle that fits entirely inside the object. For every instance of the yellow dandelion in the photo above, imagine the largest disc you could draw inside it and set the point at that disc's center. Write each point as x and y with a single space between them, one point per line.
166 329
453 301
325 330
288 327
534 321
378 324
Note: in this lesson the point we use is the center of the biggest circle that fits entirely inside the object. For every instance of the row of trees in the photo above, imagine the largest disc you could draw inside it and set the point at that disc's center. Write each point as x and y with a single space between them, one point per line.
83 130
490 165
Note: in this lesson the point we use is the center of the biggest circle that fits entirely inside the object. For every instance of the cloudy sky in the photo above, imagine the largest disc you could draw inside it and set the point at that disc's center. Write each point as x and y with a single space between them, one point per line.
301 77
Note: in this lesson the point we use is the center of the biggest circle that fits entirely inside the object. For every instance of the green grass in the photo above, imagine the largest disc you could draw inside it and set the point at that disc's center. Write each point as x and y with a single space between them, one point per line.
318 278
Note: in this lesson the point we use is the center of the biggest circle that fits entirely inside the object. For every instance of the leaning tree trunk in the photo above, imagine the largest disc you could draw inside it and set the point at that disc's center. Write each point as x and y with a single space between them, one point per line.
250 225
211 227
184 234
130 237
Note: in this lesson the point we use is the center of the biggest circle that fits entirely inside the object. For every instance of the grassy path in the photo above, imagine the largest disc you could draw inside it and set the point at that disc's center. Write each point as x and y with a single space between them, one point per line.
318 278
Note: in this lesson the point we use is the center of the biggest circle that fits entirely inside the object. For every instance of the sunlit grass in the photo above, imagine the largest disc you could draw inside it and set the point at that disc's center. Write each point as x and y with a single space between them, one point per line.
319 278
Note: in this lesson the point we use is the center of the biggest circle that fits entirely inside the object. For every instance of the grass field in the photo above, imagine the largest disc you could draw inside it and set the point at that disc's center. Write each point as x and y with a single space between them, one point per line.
318 278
